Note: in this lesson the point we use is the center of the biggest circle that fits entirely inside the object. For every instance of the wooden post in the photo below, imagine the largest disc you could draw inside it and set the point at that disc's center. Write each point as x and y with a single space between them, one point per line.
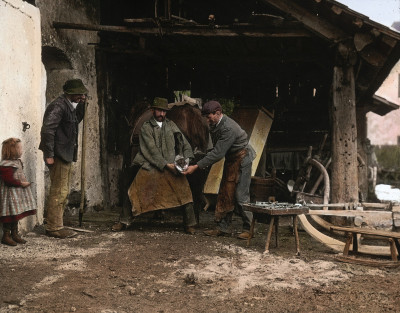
296 234
362 151
269 234
344 129
104 86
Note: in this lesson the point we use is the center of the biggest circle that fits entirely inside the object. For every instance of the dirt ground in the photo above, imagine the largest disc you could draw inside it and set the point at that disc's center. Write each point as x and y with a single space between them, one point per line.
156 267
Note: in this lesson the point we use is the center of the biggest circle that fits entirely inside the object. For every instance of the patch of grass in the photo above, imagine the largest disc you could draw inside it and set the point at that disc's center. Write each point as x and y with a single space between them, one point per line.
388 156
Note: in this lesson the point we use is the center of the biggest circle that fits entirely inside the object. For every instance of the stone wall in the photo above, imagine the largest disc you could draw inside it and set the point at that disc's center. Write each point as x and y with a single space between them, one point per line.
22 84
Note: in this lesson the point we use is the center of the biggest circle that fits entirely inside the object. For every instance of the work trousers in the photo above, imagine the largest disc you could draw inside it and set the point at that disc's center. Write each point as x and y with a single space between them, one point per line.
60 173
189 218
242 195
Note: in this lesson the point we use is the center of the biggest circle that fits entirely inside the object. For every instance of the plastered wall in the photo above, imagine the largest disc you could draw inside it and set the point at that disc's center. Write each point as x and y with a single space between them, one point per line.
31 77
22 85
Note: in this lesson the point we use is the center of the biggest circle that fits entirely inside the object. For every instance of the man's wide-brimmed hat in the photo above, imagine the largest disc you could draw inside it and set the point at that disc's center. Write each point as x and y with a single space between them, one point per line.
160 103
74 87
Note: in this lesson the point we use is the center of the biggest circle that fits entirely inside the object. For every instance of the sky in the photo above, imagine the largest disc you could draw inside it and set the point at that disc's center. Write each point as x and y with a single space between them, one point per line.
384 12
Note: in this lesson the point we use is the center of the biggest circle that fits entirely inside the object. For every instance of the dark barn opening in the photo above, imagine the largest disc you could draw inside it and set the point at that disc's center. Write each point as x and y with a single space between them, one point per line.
314 64
262 60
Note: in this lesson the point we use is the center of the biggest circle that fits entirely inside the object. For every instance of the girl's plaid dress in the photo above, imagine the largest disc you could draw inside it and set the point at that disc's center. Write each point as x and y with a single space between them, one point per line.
16 202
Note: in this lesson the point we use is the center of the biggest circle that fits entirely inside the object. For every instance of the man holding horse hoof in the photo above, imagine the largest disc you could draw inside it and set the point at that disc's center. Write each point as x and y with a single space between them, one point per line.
230 141
158 184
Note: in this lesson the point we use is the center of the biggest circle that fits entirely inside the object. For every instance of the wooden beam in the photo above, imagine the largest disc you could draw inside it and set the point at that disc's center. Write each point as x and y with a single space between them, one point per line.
140 20
361 40
358 22
336 9
187 31
373 56
344 213
344 168
96 27
313 22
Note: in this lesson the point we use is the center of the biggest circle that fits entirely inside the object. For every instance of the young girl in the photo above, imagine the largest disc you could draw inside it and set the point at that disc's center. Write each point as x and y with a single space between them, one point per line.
16 199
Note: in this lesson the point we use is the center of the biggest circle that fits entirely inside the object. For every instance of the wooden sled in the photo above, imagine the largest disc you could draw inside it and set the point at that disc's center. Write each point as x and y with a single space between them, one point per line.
327 240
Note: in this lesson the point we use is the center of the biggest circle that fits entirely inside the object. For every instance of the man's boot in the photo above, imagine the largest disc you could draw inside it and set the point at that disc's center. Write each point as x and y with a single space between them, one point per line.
15 236
7 240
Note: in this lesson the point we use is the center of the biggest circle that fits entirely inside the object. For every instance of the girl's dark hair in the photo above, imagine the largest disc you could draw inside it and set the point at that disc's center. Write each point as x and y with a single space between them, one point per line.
9 149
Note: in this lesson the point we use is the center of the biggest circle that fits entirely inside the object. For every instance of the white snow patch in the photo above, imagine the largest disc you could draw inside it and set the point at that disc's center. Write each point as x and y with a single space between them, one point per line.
387 193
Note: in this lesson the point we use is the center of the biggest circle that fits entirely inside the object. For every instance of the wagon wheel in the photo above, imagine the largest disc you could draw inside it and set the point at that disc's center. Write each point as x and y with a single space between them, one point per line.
324 176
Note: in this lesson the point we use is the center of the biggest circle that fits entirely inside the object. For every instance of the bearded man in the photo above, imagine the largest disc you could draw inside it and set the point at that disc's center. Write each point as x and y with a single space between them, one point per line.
158 184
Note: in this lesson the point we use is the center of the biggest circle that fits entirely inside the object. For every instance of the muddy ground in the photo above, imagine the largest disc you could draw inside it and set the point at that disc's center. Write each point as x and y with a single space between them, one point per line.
156 267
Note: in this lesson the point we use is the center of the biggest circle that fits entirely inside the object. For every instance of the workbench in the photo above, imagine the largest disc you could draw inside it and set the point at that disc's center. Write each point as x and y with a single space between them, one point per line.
274 211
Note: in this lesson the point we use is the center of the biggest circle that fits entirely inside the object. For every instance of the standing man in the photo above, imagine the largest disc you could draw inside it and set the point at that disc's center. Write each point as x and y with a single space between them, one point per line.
59 143
158 184
230 141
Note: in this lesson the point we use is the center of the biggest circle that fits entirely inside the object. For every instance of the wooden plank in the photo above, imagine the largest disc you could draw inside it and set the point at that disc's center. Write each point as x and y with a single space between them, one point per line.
393 249
140 20
333 205
311 21
186 31
345 213
214 178
365 231
384 206
259 135
328 241
349 240
396 209
80 229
